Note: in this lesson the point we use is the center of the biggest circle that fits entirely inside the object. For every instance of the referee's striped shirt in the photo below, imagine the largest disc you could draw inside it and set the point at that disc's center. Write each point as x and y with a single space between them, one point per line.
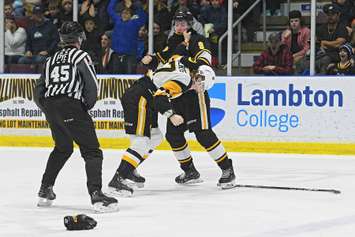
70 72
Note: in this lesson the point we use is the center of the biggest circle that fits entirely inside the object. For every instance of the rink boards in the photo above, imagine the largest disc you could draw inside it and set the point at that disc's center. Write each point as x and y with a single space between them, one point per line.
259 114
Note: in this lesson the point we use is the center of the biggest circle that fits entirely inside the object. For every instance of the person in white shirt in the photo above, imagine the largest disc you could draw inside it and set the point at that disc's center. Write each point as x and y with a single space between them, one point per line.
15 41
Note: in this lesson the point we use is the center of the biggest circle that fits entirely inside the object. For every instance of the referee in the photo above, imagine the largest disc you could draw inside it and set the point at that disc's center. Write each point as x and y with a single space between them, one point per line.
66 90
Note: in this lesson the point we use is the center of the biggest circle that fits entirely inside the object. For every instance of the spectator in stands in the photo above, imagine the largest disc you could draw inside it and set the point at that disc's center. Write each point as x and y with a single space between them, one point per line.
125 34
53 13
8 10
120 6
42 38
162 15
25 21
108 63
344 66
87 9
214 19
297 38
330 37
66 13
92 43
351 27
101 13
15 41
276 59
345 8
142 43
160 39
215 14
18 8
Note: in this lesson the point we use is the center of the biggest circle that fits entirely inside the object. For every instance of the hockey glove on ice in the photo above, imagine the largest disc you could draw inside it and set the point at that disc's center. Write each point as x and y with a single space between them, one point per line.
79 222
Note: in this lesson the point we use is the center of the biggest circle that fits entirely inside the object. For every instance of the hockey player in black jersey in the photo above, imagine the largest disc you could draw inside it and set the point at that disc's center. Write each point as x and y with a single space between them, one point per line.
141 125
66 90
141 102
194 107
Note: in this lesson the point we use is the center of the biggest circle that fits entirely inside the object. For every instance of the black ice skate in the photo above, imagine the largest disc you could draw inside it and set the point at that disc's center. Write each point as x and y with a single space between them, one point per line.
227 179
190 176
135 179
103 203
118 186
46 196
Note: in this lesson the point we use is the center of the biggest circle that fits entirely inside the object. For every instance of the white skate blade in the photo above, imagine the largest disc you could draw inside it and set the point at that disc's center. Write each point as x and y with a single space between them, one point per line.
229 185
100 208
193 181
44 202
139 185
133 184
119 193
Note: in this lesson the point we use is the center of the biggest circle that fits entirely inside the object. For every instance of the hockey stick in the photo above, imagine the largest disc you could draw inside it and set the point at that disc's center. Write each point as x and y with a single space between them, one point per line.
288 188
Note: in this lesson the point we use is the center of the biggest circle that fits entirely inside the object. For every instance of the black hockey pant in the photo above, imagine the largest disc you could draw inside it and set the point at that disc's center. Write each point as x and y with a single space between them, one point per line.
69 121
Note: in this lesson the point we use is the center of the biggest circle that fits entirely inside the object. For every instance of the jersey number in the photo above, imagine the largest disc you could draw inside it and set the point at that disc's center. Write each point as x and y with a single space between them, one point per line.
60 73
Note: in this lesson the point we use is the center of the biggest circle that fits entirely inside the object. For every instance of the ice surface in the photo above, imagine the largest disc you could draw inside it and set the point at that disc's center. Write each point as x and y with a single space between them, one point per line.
166 209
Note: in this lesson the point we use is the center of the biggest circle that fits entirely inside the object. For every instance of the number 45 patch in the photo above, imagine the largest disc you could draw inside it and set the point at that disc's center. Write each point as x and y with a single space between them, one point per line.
60 73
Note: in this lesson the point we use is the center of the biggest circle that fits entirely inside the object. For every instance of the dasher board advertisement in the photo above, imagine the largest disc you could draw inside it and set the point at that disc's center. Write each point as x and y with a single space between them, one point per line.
268 109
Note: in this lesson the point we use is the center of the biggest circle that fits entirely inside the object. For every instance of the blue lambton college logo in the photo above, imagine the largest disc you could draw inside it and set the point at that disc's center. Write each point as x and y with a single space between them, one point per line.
217 92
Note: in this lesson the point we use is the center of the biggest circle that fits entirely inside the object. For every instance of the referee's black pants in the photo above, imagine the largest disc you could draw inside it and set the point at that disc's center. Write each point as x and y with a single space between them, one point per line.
69 121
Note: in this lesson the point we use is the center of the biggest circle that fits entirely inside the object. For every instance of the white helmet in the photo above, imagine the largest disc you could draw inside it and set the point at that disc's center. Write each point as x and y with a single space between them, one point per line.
208 76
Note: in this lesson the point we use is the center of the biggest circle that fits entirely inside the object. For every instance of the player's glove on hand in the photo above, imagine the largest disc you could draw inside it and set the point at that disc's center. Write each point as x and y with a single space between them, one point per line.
79 222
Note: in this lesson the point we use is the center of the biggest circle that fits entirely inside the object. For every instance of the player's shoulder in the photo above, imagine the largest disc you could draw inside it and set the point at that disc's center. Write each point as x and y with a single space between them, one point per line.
198 37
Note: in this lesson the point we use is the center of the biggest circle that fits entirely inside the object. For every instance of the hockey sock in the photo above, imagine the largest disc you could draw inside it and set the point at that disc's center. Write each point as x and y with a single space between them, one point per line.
130 161
183 155
214 147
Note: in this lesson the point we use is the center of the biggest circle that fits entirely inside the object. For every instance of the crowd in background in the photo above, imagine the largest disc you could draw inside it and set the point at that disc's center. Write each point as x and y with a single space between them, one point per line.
117 34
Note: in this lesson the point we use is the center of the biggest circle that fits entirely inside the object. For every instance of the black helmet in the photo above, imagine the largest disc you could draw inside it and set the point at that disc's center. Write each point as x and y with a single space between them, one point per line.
71 32
183 16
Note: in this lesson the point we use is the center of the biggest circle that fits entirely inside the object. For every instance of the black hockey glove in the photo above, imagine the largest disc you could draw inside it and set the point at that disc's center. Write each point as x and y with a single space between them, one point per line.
79 222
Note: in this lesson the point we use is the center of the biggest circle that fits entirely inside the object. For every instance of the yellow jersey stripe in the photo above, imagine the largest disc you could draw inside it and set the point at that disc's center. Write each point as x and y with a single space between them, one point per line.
130 160
141 116
161 58
203 111
213 146
180 148
222 158
186 160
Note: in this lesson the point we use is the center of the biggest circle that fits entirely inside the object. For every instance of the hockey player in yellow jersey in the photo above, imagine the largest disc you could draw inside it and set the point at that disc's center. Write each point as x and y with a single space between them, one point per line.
172 79
141 103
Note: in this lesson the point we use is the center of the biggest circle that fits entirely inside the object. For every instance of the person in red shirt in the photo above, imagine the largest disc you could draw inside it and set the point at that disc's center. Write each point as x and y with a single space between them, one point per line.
297 38
276 59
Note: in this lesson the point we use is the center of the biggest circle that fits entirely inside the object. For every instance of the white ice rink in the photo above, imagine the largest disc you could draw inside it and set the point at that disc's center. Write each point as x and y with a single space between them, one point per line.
166 209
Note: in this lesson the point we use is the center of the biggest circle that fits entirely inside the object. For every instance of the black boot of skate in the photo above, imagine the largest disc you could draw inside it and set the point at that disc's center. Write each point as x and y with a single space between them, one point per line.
135 179
190 176
103 203
119 186
227 179
46 196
